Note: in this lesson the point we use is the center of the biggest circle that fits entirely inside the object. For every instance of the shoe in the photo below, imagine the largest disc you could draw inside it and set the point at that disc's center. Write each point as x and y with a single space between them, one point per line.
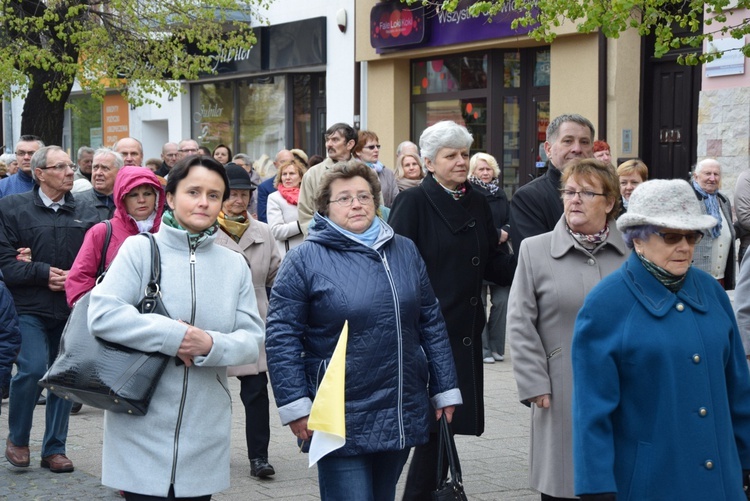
17 455
488 360
57 463
497 356
260 467
76 408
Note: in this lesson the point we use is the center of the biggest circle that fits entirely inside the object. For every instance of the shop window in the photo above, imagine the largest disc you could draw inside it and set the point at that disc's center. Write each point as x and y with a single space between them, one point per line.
302 120
262 116
449 74
213 114
471 113
541 68
512 70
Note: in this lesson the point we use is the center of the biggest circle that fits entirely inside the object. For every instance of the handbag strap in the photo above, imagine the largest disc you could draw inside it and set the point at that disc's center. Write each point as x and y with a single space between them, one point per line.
107 236
447 447
152 289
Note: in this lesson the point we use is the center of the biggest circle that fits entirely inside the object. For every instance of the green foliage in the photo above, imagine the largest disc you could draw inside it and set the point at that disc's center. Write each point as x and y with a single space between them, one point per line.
135 45
676 24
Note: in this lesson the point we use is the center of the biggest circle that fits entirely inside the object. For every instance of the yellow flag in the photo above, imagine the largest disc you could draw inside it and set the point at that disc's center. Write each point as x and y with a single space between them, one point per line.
327 415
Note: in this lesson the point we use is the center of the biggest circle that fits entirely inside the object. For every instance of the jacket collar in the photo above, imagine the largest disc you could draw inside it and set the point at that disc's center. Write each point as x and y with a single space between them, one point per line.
324 234
656 298
452 212
68 201
562 242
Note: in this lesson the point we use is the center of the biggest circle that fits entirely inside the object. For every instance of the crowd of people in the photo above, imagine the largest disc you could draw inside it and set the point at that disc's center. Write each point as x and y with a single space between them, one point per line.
609 286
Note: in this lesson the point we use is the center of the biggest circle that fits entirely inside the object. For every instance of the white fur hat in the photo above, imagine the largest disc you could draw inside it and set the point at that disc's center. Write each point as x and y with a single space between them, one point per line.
667 203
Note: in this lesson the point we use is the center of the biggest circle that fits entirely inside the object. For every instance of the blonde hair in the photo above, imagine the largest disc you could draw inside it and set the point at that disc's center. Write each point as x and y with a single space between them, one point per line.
400 168
487 158
301 169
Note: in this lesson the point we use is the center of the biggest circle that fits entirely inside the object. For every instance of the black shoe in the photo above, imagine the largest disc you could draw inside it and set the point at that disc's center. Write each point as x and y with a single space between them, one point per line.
76 407
260 467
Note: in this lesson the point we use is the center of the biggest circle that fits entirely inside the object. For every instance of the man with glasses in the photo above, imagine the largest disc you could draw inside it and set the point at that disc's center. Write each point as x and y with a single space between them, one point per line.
186 148
106 165
537 207
22 181
169 154
341 139
131 150
49 222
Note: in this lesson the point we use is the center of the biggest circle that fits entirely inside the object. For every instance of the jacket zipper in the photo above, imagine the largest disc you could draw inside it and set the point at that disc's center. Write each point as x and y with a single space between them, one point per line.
402 439
186 369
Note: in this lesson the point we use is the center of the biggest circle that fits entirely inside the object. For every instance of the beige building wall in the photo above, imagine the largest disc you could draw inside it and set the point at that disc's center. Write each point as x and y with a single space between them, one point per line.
388 108
574 76
623 93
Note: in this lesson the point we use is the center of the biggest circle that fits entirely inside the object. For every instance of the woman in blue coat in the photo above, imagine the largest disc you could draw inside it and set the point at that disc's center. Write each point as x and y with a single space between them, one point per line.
399 365
661 391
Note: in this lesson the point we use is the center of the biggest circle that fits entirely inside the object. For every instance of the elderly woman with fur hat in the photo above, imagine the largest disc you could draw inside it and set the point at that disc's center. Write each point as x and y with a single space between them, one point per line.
661 391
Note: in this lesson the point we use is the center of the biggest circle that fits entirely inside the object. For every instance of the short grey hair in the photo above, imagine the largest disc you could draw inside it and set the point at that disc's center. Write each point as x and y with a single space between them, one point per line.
444 134
554 126
706 161
140 144
404 144
8 158
102 152
84 150
39 160
244 157
640 232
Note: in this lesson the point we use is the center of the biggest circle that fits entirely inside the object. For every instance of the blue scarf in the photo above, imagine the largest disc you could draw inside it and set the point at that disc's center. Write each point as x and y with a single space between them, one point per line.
712 207
377 166
367 237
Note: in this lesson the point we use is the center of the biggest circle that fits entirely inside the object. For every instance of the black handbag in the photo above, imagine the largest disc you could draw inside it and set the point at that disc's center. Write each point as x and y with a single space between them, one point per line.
102 374
449 484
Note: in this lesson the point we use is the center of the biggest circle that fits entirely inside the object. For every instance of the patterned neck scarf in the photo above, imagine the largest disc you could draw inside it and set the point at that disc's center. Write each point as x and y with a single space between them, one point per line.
668 280
195 238
712 207
590 242
493 186
234 226
457 194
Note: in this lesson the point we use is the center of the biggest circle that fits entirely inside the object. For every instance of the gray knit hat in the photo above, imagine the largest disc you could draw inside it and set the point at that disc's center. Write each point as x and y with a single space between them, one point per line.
667 203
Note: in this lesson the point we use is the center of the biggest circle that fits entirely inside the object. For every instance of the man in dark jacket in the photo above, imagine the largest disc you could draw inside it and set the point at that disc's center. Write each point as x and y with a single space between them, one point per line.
10 336
21 181
169 154
536 207
47 221
106 165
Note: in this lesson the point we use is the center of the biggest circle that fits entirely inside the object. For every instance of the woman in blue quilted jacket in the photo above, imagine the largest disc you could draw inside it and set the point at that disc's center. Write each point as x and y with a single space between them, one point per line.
354 268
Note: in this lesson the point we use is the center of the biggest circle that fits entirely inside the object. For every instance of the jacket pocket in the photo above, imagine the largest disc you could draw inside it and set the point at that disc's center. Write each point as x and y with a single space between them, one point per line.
221 383
640 481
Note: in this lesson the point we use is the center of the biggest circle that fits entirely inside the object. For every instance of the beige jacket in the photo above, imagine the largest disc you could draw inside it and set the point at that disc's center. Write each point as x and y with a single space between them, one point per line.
258 247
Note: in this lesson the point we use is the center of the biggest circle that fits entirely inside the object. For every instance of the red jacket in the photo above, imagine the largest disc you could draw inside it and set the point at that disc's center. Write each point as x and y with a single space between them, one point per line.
82 276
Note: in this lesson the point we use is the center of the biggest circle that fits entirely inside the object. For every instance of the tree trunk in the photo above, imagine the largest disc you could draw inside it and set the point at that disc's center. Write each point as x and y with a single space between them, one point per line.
40 116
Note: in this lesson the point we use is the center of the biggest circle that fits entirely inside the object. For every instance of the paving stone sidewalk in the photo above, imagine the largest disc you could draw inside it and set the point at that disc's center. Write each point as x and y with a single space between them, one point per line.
494 465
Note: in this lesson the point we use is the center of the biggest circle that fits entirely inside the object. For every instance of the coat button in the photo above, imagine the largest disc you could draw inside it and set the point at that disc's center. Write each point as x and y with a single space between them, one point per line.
467 341
709 464
591 261
474 301
680 307
472 224
475 261
703 412
696 359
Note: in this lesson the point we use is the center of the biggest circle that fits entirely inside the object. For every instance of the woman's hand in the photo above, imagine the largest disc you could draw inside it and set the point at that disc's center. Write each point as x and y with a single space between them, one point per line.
449 409
542 401
195 343
299 428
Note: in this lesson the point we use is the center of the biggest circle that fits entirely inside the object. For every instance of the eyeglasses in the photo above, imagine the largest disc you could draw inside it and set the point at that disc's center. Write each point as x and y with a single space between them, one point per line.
372 146
21 153
58 167
586 196
347 201
675 238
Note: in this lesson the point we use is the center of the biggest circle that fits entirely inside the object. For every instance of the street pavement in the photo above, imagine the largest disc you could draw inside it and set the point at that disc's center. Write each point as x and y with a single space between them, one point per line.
495 465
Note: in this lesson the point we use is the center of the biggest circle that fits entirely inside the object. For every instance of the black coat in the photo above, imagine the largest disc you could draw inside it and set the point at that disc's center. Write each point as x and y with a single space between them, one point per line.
54 239
500 208
458 242
536 207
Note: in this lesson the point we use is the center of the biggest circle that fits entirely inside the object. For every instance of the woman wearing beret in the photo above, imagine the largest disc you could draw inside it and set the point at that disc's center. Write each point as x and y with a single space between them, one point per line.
661 391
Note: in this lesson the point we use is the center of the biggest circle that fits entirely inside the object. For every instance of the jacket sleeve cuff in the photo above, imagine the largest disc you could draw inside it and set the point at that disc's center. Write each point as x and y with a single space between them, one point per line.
450 397
295 410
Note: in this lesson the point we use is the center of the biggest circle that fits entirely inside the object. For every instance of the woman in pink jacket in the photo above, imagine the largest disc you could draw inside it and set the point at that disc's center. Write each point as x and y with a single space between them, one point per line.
139 203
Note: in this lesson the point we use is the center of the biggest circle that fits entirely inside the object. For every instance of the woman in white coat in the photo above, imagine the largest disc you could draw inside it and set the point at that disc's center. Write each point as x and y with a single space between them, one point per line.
281 211
181 447
251 238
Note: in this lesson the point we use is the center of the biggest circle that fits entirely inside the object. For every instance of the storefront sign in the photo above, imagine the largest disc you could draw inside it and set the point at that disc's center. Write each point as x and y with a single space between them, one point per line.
732 61
115 118
396 25
439 27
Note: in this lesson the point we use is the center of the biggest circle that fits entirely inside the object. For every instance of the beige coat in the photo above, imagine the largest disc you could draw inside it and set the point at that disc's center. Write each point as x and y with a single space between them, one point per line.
553 276
258 247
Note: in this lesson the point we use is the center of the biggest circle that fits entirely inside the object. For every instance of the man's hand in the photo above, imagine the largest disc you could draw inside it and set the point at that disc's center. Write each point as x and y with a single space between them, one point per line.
24 254
300 430
57 278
